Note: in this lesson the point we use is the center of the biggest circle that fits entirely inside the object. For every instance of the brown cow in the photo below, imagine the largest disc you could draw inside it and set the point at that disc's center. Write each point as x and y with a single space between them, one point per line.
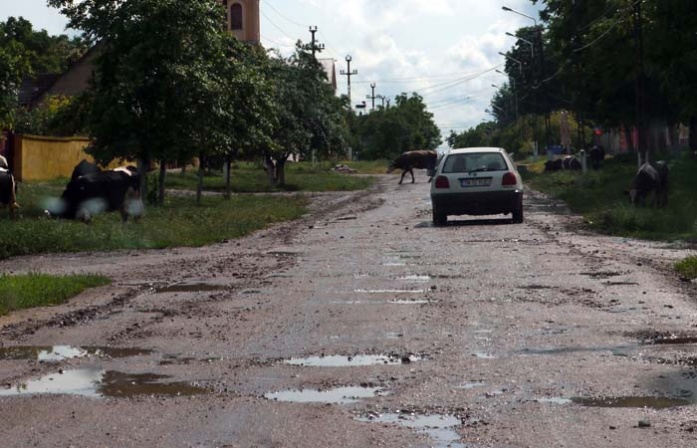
415 159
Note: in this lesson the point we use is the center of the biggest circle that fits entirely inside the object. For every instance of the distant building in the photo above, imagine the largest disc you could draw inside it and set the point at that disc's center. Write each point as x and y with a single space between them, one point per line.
243 19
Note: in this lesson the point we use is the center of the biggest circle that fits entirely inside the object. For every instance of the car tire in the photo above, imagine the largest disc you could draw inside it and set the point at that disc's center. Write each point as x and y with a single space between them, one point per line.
439 219
518 216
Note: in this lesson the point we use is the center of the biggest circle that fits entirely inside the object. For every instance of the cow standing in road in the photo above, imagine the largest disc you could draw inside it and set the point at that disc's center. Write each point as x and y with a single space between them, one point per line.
649 180
92 191
8 188
415 159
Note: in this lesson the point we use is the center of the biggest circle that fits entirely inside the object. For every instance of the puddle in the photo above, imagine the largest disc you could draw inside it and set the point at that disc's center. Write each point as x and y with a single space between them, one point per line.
192 287
248 292
616 350
440 428
602 274
281 253
412 302
415 278
279 275
97 383
472 385
482 355
340 395
674 340
536 287
555 400
390 291
352 361
621 284
59 353
632 402
394 264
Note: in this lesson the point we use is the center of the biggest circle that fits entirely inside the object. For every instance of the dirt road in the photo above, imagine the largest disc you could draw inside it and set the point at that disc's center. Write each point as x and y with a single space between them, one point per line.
363 326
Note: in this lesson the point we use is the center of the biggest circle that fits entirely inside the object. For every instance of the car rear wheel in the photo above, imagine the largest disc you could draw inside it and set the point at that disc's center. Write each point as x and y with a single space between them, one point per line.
439 219
518 216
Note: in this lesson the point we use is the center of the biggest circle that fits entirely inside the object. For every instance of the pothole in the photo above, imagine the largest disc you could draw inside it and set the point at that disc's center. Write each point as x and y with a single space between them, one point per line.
440 428
352 361
412 302
58 353
339 395
192 287
97 383
631 402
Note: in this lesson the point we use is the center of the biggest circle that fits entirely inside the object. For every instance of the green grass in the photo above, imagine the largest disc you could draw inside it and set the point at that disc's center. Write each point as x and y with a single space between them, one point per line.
687 268
369 167
249 178
33 290
180 222
600 197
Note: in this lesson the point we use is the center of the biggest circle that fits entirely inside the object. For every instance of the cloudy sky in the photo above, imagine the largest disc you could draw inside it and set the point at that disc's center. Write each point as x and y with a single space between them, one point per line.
446 50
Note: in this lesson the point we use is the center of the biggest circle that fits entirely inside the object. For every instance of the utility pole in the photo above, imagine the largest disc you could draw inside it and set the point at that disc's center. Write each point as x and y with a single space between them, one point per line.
372 96
348 73
382 97
315 46
388 102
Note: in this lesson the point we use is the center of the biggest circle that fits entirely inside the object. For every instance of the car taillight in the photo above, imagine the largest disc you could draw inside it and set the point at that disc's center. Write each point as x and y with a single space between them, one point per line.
509 179
442 182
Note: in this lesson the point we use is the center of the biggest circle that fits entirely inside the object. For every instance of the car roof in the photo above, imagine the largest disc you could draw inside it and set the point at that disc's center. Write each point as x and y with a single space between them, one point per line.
475 149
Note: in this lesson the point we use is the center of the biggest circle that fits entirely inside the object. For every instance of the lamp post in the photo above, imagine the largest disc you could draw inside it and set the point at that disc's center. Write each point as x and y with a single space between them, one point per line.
520 64
532 45
506 8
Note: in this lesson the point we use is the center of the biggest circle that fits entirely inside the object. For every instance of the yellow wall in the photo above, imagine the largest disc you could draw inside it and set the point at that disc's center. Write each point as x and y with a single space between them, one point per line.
46 158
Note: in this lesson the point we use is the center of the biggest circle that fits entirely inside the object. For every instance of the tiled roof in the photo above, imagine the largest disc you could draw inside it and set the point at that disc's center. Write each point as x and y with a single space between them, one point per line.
32 88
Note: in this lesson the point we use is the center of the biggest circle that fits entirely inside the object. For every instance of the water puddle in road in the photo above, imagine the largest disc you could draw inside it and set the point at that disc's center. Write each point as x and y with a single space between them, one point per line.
482 355
472 385
620 283
390 291
412 302
281 253
555 400
192 287
339 395
537 287
602 274
415 278
616 350
631 402
97 383
352 361
58 353
440 428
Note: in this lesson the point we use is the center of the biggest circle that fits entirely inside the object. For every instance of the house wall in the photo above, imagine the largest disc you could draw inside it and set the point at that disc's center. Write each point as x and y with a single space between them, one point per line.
44 158
77 79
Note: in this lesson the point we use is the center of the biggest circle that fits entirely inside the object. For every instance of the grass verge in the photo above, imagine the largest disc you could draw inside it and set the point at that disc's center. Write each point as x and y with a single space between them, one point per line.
599 196
249 178
33 290
687 268
180 222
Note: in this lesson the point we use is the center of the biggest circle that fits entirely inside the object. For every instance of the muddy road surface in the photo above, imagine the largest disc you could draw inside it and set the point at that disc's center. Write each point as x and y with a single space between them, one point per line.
361 325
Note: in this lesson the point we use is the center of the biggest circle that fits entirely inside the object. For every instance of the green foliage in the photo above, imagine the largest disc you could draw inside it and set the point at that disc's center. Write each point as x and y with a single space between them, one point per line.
179 222
56 116
386 133
27 291
600 197
687 268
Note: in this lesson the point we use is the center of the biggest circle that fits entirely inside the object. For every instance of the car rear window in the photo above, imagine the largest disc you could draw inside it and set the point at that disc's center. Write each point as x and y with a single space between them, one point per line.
476 161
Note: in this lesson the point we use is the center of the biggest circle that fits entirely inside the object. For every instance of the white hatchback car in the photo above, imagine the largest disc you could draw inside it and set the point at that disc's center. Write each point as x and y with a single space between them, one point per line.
476 181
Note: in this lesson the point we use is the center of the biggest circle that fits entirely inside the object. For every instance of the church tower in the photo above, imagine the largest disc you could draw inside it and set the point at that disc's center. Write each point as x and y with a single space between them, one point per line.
243 19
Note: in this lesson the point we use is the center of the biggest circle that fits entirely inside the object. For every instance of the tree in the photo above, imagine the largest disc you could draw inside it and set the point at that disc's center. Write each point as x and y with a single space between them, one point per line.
13 65
161 96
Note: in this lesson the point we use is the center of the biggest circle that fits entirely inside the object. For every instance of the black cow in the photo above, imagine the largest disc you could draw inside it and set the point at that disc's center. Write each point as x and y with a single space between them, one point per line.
649 180
571 163
8 191
415 159
597 156
98 191
553 165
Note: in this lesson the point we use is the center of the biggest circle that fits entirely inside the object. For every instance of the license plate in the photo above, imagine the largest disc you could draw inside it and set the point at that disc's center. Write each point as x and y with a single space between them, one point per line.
476 182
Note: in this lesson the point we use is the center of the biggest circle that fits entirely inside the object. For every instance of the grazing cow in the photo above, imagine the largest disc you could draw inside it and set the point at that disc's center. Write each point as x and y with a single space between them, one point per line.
415 159
99 191
571 163
3 163
597 157
553 165
8 188
651 180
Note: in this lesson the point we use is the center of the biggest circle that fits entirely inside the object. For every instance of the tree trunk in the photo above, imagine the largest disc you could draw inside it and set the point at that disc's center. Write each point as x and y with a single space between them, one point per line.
201 168
143 165
692 139
270 170
281 172
228 177
161 183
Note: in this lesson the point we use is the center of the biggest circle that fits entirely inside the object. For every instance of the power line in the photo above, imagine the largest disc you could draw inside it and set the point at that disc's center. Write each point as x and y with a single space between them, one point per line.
276 26
284 16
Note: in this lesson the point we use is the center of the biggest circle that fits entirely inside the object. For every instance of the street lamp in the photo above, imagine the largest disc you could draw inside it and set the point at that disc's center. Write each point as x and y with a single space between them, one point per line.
520 64
506 8
532 45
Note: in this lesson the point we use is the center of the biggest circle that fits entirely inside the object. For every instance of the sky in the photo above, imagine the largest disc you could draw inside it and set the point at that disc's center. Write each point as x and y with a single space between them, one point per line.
445 50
